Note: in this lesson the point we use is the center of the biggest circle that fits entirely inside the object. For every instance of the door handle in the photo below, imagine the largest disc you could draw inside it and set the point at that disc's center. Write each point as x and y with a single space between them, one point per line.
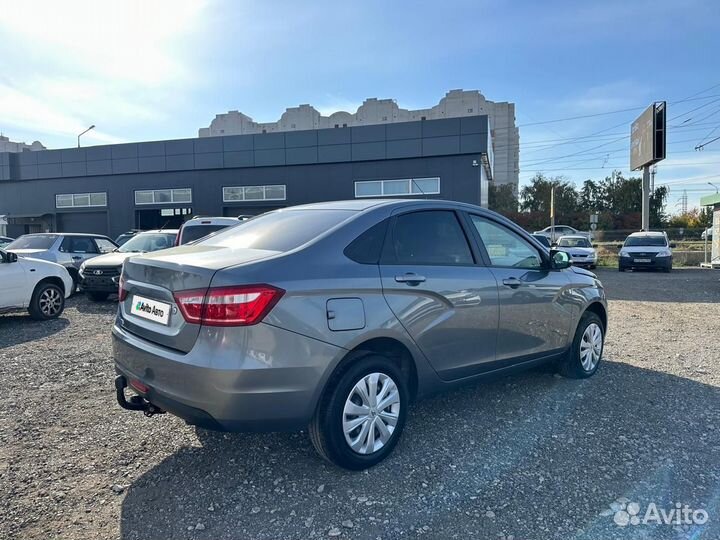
410 278
512 282
76 258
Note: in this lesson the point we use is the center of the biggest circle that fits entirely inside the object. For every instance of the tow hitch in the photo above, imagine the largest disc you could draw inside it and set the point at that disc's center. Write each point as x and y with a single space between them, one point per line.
135 403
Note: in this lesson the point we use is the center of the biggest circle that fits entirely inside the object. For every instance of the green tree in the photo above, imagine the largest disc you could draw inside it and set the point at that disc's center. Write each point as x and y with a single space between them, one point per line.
502 199
535 197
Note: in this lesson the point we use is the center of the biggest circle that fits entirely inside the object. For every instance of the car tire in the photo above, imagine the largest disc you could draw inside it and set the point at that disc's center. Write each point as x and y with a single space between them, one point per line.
98 296
47 302
345 393
585 354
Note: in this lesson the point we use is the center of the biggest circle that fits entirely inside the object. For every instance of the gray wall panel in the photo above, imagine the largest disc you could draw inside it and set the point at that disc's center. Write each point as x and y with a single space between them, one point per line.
437 146
126 165
24 158
98 152
295 139
179 162
403 148
74 169
441 128
473 143
297 156
473 124
28 172
180 146
49 156
264 158
403 130
266 141
361 134
124 151
368 150
101 166
150 149
239 159
208 144
237 143
72 155
335 152
151 163
48 170
334 136
209 161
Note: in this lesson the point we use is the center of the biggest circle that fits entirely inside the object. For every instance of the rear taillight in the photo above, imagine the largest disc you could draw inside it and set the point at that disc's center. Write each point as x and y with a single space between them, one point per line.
243 305
122 291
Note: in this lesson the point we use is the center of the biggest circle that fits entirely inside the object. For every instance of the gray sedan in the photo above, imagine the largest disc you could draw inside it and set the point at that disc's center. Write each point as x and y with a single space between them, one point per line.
338 315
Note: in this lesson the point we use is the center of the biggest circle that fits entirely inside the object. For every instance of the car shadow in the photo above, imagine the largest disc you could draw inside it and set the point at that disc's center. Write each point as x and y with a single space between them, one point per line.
681 285
532 455
18 328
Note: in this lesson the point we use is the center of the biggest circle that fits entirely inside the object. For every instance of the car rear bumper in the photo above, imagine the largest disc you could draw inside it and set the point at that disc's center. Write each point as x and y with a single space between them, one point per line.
661 263
271 382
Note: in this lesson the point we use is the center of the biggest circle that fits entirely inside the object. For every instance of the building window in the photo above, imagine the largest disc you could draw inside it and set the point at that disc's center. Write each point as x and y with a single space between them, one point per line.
384 118
397 188
80 200
254 193
469 110
163 196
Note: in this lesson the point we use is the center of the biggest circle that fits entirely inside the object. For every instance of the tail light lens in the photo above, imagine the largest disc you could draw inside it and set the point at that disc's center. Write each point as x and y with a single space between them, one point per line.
122 291
243 305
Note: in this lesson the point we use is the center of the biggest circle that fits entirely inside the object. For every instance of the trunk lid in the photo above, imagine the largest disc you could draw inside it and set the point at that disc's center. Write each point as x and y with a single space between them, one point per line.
156 276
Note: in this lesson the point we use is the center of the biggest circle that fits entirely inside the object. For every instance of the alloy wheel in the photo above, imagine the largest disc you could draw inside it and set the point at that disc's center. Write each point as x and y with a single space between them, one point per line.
50 302
371 413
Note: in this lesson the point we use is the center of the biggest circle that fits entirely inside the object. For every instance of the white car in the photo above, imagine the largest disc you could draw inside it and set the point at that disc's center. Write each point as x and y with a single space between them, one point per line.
199 227
561 230
707 233
39 286
581 251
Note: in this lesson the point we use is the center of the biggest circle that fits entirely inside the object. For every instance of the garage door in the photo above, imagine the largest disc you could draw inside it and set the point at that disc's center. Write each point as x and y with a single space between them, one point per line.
83 222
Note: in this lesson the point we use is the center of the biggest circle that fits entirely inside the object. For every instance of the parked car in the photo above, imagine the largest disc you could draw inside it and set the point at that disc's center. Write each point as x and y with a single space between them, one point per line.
707 233
581 251
198 227
99 275
337 315
562 230
650 250
67 249
124 237
38 286
544 240
5 240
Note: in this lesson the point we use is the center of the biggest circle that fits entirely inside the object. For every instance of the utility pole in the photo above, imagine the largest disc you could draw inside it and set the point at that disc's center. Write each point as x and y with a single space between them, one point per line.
683 201
552 213
646 198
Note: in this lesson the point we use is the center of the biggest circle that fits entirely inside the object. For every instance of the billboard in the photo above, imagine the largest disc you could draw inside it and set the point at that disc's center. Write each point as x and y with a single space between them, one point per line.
647 137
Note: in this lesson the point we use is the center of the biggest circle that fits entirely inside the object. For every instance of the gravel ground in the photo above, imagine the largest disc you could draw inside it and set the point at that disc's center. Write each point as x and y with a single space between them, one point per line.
528 456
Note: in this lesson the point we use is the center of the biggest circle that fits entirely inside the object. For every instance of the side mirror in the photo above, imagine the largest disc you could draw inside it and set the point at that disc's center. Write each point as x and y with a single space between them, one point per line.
559 260
10 257
673 245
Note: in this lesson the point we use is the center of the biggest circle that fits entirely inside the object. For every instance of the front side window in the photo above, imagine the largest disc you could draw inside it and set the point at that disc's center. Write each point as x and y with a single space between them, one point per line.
432 237
105 245
78 244
504 247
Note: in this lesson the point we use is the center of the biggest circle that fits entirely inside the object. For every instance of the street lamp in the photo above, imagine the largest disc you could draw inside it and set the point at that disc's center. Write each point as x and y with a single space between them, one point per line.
713 185
84 132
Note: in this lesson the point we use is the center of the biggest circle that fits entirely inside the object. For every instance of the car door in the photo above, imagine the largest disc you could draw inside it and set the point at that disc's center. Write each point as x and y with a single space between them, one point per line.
79 248
13 283
441 293
535 301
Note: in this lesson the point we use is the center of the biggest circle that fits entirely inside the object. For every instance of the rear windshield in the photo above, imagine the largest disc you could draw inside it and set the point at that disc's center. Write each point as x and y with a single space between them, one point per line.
633 241
574 242
279 231
195 232
148 242
40 241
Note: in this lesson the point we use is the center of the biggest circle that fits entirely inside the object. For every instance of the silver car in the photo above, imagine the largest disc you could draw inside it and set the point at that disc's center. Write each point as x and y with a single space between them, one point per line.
67 249
338 315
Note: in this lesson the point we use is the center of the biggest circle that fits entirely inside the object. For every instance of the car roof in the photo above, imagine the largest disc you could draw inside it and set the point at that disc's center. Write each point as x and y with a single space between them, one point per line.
369 204
648 233
578 236
156 231
93 235
214 220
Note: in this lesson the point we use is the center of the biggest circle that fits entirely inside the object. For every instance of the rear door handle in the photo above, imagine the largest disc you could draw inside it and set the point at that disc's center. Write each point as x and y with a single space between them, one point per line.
512 282
76 258
410 278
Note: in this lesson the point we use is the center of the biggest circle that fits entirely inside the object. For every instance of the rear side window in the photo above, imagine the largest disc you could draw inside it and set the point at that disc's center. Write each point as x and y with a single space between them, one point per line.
366 248
39 241
279 231
78 244
432 237
195 232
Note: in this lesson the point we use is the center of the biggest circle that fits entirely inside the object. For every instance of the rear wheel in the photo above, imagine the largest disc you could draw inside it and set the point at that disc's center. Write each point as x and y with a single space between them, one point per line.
362 414
48 302
98 296
583 358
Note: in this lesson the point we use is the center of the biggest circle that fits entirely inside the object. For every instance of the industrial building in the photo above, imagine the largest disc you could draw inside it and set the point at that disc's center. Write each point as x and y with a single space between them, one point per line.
110 189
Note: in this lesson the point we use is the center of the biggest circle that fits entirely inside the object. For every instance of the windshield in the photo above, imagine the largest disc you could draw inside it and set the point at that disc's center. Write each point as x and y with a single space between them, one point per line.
574 242
195 232
279 231
148 242
633 241
36 241
120 240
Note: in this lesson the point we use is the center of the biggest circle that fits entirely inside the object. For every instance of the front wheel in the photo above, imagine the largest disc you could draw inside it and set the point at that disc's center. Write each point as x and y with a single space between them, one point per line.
362 414
583 358
48 302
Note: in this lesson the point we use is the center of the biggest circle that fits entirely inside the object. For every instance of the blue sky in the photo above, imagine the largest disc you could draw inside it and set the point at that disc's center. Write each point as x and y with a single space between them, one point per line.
154 70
